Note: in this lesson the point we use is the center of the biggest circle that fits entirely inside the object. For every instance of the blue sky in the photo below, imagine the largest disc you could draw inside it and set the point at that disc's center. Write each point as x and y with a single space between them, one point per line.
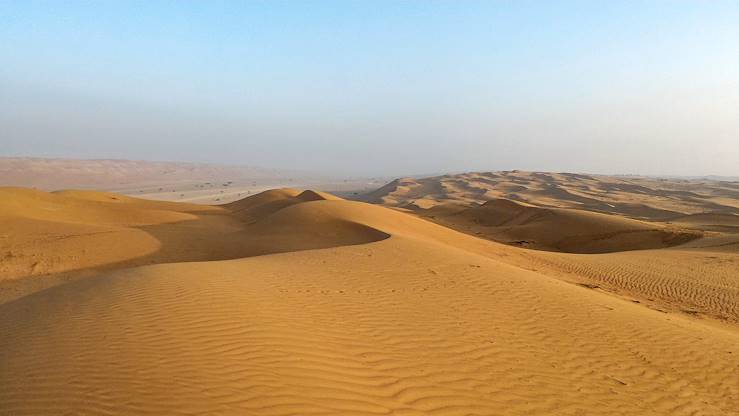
377 87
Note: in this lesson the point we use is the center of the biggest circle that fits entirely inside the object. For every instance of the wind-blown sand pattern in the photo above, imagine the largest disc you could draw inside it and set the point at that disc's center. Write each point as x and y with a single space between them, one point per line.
49 237
691 229
295 303
633 197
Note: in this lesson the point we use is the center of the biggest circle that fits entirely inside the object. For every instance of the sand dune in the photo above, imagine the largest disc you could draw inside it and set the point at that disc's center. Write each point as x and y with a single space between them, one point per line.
714 222
53 232
633 197
557 229
576 213
61 236
700 282
360 309
261 205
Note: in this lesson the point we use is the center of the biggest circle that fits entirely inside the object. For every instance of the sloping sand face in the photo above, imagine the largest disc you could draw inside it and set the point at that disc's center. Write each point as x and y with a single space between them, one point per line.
330 332
569 212
634 197
50 238
672 245
386 314
558 229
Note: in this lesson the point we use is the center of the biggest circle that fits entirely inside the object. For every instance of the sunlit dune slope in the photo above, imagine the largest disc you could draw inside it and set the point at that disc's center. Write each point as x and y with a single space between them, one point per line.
52 232
265 203
91 207
692 223
634 197
288 220
48 238
417 319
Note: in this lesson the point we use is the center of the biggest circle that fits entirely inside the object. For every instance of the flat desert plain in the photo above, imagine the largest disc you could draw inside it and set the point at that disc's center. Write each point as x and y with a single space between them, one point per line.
503 293
200 183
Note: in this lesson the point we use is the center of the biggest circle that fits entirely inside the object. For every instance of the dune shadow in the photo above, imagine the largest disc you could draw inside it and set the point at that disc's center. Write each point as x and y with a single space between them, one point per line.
211 236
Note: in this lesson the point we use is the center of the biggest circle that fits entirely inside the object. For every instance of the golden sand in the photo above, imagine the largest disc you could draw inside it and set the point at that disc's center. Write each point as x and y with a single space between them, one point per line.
290 303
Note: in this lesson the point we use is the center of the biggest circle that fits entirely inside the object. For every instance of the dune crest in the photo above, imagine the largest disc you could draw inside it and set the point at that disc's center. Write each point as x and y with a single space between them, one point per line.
328 306
671 245
60 236
634 197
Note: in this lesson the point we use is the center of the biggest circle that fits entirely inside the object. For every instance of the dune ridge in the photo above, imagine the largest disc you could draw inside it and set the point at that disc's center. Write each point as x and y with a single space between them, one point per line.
557 229
55 237
669 244
358 309
642 198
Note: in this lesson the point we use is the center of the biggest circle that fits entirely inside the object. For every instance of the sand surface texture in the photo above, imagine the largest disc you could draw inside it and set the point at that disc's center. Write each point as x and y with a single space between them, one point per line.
299 303
671 244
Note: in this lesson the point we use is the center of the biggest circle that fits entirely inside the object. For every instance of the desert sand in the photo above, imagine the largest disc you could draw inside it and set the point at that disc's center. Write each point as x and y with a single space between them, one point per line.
200 183
669 243
57 173
296 302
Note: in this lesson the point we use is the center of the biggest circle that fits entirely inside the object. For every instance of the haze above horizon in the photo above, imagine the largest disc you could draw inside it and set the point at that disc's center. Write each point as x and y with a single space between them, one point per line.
376 87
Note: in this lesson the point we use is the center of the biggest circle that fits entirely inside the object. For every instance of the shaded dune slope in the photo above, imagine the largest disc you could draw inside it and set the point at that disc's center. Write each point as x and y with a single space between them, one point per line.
669 244
360 310
49 238
55 232
715 222
639 198
557 229
569 212
256 207
419 320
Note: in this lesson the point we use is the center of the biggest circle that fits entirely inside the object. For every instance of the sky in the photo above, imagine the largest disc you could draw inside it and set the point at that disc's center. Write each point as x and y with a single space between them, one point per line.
377 87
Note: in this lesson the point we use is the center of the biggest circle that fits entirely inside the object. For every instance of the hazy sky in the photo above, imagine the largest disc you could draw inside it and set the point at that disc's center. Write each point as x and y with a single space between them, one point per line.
377 87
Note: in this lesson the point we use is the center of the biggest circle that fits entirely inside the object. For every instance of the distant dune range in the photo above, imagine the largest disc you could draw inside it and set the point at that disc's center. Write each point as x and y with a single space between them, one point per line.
576 213
634 197
298 302
558 229
569 212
